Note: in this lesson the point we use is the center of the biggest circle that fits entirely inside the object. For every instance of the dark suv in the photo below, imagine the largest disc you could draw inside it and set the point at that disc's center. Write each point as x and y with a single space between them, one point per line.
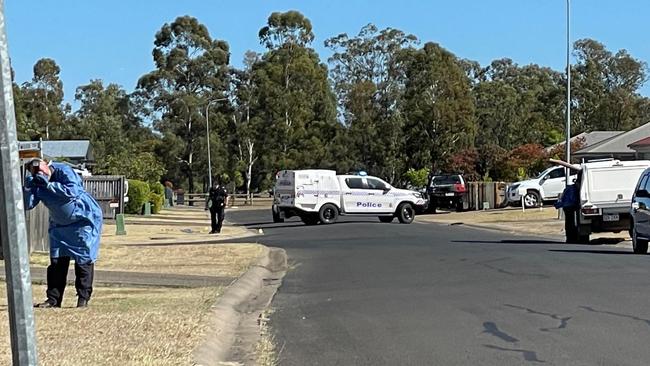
640 230
448 191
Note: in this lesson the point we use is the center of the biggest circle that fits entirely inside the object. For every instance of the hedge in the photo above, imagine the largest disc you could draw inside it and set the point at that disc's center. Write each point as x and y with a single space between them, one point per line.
156 197
139 193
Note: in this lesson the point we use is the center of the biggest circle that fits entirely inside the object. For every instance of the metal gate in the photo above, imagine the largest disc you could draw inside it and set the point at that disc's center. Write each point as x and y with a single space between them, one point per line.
109 191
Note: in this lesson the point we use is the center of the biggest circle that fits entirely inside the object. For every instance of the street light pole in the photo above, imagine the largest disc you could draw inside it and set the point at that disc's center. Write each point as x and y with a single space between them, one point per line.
568 89
207 136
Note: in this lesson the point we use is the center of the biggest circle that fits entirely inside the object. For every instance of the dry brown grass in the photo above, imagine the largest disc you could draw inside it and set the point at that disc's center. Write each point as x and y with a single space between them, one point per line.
229 260
266 348
209 260
123 326
495 216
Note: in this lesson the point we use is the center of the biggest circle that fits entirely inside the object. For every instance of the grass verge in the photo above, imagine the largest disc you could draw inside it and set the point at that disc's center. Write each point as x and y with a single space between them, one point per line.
123 326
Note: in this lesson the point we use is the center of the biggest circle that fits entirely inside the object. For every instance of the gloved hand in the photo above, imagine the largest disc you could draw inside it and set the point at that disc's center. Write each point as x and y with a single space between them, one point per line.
41 180
29 182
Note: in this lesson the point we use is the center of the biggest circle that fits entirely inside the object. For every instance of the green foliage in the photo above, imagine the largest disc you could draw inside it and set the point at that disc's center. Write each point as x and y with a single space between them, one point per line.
139 193
156 197
368 80
606 88
157 187
143 166
384 105
191 70
439 108
417 178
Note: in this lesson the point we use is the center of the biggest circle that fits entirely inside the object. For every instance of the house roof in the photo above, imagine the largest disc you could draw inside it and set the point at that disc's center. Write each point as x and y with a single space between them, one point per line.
71 149
618 144
590 138
642 142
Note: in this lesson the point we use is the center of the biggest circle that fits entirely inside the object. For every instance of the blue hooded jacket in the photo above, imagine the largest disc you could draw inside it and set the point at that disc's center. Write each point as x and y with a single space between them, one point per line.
569 198
75 217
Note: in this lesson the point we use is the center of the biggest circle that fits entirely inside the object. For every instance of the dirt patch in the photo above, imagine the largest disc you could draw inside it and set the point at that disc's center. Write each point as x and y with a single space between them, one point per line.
123 326
543 222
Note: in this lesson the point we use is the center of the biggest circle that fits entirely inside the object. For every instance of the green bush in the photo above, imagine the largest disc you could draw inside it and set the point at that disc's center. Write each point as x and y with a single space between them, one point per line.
138 194
157 201
157 188
156 197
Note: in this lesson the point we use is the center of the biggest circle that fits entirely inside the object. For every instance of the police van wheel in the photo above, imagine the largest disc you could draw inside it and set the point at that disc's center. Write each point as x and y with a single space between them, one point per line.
386 219
328 214
405 213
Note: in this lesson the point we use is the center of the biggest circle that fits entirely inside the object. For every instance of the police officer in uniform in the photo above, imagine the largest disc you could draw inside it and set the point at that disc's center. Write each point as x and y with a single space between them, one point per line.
216 203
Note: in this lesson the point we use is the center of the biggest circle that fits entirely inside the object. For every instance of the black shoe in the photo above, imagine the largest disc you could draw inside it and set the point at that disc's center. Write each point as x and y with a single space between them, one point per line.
46 305
214 232
82 303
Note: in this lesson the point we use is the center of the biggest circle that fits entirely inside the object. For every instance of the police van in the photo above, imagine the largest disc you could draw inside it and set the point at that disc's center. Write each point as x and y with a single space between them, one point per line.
320 196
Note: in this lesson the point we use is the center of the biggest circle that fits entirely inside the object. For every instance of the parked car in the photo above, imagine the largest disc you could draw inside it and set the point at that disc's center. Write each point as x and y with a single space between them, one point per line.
605 195
547 186
448 191
640 212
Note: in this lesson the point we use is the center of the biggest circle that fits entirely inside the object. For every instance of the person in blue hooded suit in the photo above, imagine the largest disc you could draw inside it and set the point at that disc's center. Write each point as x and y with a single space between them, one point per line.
75 227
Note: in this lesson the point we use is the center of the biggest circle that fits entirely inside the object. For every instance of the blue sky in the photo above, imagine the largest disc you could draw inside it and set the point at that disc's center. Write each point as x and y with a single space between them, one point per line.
112 40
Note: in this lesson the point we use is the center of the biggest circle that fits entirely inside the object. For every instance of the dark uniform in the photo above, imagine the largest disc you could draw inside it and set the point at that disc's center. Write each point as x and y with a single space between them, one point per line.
217 203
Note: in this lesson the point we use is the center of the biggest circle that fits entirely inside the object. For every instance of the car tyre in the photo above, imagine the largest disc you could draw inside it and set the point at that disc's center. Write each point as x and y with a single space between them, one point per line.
532 199
639 246
328 214
462 205
386 219
405 213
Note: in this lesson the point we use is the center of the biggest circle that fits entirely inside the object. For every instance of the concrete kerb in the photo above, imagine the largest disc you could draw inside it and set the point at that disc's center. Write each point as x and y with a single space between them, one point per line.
229 339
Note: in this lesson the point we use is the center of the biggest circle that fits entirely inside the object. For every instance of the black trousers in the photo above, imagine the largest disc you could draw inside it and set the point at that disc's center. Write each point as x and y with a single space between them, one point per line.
57 278
217 215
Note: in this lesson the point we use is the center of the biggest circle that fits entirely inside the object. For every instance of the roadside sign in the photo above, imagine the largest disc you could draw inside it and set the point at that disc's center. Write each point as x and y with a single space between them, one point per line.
29 154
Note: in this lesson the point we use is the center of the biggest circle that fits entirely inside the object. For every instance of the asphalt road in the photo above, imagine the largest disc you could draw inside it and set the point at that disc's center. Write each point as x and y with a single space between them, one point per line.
366 293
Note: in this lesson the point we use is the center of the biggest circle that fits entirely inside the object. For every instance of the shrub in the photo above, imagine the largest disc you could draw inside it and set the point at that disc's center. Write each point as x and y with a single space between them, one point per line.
138 194
157 188
156 197
157 201
417 178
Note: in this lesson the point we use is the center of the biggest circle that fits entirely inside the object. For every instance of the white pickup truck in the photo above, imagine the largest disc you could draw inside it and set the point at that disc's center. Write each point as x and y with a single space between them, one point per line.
320 196
605 197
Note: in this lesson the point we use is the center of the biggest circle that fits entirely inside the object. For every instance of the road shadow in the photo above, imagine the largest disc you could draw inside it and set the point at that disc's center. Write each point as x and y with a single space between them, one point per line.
592 251
272 225
509 241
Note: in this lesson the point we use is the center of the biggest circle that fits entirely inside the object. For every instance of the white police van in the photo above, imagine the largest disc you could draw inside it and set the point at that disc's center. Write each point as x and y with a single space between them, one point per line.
321 196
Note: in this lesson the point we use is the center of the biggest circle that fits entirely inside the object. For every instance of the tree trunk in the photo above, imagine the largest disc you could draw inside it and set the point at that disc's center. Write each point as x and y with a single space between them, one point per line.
250 145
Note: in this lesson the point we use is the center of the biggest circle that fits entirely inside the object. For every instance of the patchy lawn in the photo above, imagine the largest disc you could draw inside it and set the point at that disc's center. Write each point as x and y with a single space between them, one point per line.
122 326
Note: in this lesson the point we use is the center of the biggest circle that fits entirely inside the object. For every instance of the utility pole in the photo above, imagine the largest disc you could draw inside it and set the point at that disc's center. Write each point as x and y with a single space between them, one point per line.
12 221
568 90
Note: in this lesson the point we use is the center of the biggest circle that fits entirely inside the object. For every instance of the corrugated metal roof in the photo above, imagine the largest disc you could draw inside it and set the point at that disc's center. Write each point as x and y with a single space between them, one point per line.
72 149
618 144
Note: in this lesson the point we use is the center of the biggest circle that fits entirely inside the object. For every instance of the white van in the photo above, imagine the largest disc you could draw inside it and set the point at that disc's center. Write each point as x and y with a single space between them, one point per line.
606 189
321 196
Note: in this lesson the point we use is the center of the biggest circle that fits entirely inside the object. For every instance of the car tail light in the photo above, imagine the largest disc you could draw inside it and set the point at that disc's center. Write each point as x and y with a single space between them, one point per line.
459 187
590 211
